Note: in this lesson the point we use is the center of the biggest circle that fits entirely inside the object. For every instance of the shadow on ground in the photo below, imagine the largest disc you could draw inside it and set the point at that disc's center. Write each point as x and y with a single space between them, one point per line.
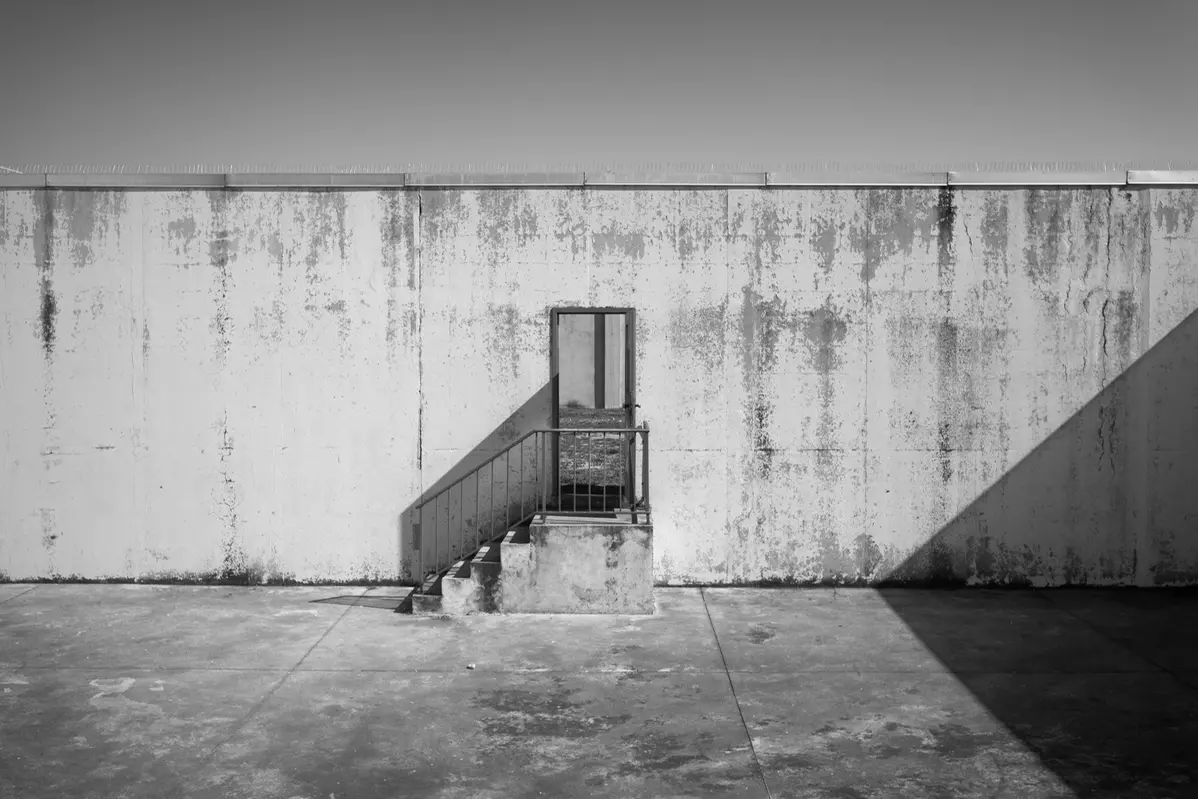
1108 498
394 602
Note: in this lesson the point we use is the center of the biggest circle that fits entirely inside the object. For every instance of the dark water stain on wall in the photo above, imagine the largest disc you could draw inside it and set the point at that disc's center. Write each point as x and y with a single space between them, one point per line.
1099 223
570 215
1127 321
995 215
505 327
233 556
691 236
946 216
867 555
896 219
824 330
505 217
441 213
181 232
220 250
395 229
762 411
766 235
699 331
1174 211
772 321
50 533
43 255
1047 212
948 396
823 240
81 212
325 219
614 241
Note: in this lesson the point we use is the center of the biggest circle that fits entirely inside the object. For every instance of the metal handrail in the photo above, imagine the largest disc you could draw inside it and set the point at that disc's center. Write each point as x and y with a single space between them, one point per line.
541 475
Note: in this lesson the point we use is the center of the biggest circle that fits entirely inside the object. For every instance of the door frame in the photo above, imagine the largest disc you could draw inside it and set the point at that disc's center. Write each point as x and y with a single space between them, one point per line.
629 379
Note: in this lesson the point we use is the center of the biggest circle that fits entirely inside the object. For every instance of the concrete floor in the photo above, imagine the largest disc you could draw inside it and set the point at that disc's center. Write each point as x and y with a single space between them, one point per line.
146 691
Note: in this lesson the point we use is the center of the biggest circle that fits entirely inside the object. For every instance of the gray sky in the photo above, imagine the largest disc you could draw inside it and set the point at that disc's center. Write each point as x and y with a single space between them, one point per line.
340 82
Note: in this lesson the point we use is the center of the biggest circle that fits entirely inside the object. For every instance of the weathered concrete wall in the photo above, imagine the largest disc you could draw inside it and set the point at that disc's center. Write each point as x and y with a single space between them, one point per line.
842 384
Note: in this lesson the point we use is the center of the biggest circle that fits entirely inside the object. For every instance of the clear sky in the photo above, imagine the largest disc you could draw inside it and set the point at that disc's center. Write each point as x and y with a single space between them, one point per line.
340 82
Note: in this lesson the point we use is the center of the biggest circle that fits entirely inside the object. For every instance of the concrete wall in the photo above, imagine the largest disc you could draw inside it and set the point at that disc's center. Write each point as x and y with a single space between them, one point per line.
842 384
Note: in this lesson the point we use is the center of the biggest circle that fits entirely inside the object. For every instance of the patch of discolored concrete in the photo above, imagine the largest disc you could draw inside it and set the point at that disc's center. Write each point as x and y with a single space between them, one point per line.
677 638
480 734
100 732
153 626
875 735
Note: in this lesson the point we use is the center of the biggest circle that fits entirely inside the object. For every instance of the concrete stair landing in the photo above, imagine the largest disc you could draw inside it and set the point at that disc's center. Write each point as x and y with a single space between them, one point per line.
599 563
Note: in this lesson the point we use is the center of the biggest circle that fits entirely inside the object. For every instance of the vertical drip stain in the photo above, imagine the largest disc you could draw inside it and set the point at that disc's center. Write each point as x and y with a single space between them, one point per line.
219 253
947 345
43 253
946 215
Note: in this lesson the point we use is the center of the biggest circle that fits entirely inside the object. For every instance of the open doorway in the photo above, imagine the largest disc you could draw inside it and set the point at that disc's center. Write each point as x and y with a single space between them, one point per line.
593 376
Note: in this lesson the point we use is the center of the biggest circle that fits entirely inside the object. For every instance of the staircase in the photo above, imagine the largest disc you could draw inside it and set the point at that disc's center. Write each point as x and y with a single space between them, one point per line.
549 563
587 547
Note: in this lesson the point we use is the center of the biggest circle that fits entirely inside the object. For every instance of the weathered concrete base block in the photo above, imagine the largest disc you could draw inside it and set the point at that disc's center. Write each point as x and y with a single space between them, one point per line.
459 594
426 604
579 568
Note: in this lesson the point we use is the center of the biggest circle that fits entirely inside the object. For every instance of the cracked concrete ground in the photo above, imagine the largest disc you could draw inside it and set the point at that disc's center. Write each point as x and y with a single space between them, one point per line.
319 692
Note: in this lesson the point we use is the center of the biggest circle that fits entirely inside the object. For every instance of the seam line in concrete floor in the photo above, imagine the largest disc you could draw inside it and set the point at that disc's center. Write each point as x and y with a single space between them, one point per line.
1120 644
278 684
14 596
732 688
584 671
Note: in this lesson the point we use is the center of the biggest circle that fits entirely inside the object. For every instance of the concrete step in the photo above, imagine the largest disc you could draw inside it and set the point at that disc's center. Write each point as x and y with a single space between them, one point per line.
468 586
427 602
513 589
450 593
484 572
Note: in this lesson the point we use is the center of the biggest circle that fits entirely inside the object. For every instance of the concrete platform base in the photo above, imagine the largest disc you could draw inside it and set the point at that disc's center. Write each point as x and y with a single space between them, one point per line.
581 567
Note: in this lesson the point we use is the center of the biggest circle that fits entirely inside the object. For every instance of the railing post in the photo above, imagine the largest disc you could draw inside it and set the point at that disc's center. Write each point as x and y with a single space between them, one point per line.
418 544
645 466
627 491
507 494
436 539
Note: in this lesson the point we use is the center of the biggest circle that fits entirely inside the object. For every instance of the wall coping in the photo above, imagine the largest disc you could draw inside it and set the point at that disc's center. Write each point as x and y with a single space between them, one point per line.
1130 178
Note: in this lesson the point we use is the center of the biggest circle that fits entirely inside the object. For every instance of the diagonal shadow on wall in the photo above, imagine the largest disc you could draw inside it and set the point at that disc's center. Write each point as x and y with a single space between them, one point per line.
470 495
1101 685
